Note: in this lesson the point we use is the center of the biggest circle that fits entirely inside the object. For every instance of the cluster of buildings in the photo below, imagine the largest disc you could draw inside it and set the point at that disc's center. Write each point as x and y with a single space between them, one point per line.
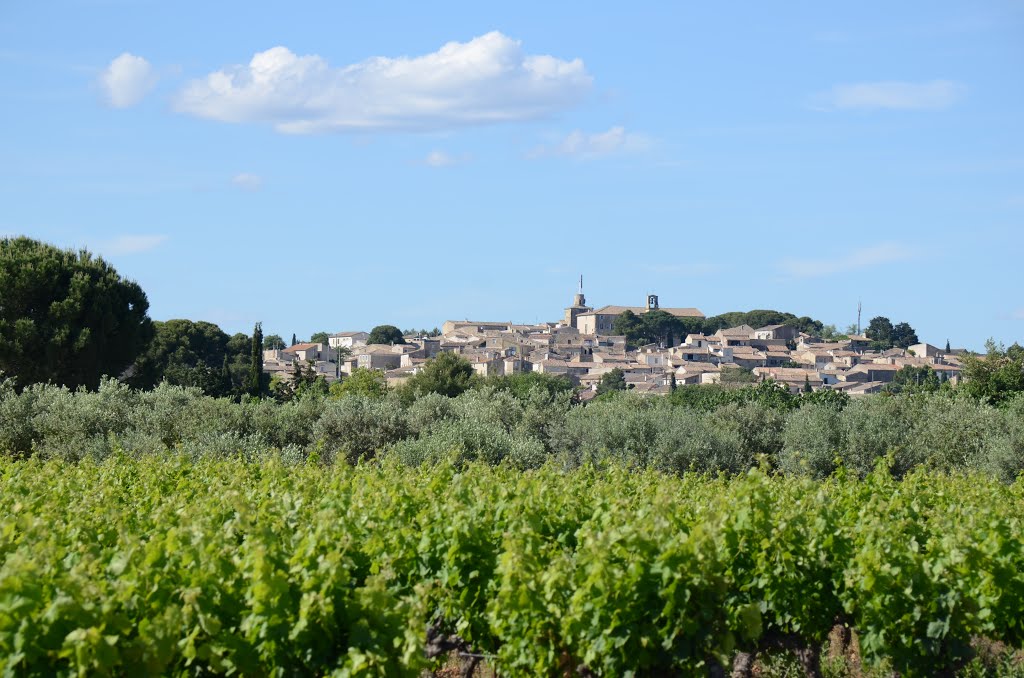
583 347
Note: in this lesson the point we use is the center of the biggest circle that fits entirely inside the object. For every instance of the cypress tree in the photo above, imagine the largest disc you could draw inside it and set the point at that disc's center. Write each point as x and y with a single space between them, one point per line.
294 340
807 385
947 346
254 384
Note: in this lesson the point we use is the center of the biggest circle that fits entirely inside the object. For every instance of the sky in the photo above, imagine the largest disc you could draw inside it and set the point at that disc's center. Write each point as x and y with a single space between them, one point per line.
335 166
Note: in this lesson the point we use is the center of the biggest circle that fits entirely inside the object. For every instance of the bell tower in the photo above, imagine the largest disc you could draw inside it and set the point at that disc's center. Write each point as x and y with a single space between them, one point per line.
579 305
652 302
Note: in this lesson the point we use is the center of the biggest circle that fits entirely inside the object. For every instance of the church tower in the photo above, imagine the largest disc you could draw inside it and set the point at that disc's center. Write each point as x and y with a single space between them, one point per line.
579 305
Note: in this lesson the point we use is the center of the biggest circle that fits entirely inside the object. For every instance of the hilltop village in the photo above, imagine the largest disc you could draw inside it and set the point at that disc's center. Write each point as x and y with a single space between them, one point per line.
584 347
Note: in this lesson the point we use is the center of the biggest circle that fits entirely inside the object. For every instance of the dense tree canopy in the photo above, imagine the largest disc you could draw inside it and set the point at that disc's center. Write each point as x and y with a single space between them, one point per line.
66 317
613 380
319 338
660 327
385 334
273 341
190 353
448 374
884 335
995 377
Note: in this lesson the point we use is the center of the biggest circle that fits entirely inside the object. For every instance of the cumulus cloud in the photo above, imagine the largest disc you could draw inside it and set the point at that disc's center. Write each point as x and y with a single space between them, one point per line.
873 96
489 79
580 144
867 257
127 79
131 244
247 181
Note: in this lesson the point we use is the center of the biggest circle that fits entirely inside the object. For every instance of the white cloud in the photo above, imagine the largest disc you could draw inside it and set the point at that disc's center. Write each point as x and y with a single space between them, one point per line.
486 80
130 244
583 145
883 253
872 96
127 79
247 181
442 159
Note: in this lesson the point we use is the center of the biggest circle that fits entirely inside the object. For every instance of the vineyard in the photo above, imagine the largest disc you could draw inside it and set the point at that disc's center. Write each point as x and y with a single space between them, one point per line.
171 566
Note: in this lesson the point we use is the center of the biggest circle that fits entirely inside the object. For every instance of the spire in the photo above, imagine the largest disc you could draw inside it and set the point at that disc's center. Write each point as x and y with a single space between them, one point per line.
581 283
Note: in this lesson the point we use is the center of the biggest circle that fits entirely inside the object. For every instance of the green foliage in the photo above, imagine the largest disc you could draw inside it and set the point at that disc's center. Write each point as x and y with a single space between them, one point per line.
654 327
269 567
736 375
447 374
66 317
362 382
319 338
385 334
911 379
995 377
761 318
613 380
884 335
188 353
273 342
257 383
523 384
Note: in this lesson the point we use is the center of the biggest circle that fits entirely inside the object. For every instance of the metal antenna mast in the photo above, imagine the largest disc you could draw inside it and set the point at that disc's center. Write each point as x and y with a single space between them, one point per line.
858 317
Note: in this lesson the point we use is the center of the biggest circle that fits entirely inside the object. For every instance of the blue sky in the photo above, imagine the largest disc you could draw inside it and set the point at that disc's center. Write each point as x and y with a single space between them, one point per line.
336 166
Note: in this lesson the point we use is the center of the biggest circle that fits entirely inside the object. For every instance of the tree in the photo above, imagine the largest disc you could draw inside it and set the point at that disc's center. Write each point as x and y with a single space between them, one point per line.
807 385
385 334
319 338
272 342
448 374
186 353
521 384
911 379
294 340
995 377
948 351
880 332
362 382
904 336
306 382
613 380
65 316
257 382
736 375
627 324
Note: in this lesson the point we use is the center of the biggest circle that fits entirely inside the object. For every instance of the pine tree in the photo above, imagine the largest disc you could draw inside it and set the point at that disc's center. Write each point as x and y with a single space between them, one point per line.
254 384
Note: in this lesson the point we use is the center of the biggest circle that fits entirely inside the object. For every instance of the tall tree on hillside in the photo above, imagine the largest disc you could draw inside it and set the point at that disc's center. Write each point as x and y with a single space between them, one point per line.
294 340
903 335
65 316
880 332
256 383
947 347
385 334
